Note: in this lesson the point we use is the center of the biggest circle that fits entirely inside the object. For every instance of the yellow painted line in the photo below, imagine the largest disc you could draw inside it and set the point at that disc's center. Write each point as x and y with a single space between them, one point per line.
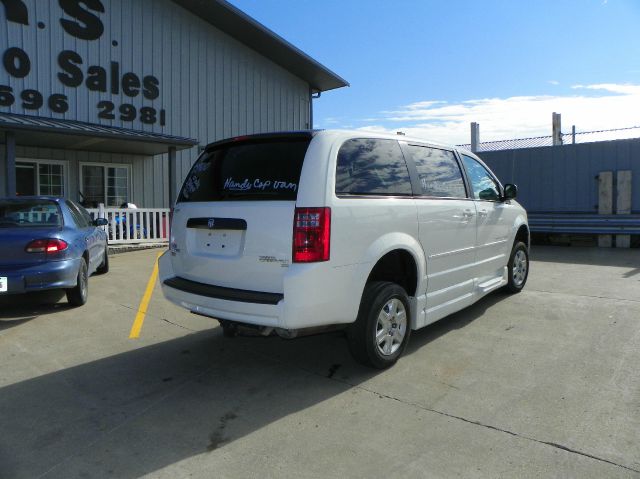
144 303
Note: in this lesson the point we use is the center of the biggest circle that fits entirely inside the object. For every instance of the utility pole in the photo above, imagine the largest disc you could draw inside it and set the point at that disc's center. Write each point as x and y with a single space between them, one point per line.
475 136
556 130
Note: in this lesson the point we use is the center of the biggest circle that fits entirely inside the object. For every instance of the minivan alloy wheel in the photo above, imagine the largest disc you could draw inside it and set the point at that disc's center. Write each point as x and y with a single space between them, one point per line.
519 270
382 329
391 327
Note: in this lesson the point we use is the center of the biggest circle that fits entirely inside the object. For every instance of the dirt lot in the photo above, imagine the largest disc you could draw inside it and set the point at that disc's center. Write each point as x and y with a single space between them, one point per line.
542 384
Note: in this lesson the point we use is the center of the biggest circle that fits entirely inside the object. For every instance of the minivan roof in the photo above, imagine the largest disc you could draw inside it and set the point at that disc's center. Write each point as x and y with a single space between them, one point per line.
338 134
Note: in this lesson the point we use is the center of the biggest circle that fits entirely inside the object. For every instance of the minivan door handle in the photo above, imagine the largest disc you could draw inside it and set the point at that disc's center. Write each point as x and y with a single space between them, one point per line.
483 212
468 213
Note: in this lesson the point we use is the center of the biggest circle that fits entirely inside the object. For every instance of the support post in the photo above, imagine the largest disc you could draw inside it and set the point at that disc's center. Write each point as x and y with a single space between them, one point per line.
475 136
173 176
573 135
623 203
605 203
556 129
10 139
310 125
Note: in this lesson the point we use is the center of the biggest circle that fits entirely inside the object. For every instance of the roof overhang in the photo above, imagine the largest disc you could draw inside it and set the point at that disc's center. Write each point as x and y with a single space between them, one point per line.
242 27
76 135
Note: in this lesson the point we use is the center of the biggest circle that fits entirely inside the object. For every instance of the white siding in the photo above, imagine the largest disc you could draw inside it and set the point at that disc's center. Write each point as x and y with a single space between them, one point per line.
211 86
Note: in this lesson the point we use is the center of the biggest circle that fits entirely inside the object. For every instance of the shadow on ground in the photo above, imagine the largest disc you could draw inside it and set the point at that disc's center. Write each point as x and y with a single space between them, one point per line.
20 308
136 412
588 256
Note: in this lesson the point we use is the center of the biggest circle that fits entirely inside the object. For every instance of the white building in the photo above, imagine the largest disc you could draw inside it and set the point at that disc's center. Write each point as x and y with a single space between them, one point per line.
109 101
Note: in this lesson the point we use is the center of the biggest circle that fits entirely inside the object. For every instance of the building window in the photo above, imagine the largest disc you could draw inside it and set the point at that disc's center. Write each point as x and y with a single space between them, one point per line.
108 184
40 177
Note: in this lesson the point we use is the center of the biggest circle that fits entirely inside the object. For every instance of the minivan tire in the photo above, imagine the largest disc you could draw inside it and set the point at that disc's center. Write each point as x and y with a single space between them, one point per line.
77 296
517 268
383 318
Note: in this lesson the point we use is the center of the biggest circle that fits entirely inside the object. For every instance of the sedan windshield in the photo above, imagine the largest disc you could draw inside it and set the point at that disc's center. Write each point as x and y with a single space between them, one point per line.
28 213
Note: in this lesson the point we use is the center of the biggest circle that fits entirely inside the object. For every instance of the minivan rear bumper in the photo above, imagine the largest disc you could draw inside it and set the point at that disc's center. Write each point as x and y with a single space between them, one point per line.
314 295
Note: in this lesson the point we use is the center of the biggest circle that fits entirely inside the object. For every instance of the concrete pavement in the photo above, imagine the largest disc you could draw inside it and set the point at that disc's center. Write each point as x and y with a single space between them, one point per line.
541 384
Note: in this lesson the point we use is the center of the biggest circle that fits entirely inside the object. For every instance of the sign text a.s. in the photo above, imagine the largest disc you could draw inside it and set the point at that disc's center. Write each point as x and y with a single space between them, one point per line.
85 23
83 20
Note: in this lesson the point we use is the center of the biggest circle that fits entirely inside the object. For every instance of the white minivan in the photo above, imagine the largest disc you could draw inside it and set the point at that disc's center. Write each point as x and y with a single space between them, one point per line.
298 232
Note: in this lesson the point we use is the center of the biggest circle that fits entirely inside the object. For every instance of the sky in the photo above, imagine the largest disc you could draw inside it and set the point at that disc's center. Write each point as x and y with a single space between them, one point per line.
430 67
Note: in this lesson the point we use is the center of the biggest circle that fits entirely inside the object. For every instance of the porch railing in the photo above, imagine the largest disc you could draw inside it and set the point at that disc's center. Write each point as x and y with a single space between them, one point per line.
134 225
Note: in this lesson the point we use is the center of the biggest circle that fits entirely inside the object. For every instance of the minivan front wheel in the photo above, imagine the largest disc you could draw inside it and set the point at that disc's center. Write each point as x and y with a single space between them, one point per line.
518 267
382 329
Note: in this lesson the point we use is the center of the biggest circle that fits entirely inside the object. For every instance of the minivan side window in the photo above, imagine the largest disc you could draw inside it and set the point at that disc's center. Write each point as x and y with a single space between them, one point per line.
484 186
372 167
438 171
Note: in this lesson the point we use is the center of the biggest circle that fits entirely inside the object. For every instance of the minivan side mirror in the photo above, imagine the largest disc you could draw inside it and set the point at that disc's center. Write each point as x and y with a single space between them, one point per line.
100 222
510 191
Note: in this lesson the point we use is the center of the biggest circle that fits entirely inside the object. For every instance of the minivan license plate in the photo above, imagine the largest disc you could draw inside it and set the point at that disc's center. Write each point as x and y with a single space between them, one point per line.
3 284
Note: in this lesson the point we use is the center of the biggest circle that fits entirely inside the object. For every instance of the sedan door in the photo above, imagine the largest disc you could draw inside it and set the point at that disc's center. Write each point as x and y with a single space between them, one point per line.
92 237
447 229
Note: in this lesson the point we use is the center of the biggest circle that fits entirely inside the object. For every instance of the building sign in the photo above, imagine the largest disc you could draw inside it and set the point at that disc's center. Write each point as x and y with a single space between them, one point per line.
81 20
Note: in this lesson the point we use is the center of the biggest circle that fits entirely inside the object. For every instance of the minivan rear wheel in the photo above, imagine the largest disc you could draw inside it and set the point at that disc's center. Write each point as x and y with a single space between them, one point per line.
381 331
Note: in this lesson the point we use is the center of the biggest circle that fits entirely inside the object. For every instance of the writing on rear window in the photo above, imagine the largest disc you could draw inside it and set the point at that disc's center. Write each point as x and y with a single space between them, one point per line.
257 169
231 184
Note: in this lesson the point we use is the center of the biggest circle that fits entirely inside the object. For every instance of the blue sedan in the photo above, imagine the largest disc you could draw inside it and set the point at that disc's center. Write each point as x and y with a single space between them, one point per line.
49 243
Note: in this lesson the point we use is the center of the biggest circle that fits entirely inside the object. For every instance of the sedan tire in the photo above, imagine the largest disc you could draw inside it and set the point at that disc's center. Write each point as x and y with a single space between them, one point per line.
77 296
104 266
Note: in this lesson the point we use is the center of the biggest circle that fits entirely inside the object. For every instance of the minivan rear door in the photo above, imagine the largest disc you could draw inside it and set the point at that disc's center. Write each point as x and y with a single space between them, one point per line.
233 221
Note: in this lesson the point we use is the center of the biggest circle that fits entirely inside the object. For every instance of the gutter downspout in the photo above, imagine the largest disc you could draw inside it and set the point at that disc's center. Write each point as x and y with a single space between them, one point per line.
10 145
312 95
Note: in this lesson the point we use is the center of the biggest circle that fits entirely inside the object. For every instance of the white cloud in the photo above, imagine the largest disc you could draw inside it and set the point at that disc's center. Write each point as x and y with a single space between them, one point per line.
553 82
593 107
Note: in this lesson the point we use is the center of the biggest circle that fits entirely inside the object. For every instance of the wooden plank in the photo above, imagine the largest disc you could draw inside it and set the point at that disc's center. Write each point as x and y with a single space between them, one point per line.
605 203
623 203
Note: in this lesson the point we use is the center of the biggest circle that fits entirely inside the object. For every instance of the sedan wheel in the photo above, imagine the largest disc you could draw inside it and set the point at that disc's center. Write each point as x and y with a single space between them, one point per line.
77 296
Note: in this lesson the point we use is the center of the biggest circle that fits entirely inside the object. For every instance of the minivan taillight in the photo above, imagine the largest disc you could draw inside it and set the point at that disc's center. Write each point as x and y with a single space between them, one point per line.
311 234
47 245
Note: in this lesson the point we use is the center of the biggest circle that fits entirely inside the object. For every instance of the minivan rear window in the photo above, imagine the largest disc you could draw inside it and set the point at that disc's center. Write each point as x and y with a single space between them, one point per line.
264 169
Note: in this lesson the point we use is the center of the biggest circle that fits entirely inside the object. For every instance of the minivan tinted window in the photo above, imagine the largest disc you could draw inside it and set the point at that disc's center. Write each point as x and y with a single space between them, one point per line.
372 167
438 171
483 184
262 169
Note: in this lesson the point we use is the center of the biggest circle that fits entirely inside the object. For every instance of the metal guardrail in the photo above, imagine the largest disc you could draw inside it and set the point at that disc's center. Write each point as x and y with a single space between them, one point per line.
585 223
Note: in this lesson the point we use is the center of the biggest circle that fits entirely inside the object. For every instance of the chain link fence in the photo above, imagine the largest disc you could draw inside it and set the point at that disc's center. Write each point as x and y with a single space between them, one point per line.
566 138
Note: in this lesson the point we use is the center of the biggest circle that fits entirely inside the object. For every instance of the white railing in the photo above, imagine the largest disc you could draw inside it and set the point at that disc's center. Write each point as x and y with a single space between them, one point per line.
134 225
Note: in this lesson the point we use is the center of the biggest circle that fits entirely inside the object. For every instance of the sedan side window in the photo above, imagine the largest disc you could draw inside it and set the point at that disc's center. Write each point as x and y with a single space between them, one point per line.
78 219
484 186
